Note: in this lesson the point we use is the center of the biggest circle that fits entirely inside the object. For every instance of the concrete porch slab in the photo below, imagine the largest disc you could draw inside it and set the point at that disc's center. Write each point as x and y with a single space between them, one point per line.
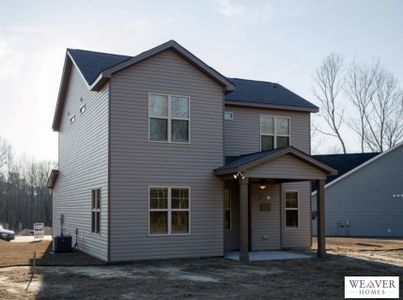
267 255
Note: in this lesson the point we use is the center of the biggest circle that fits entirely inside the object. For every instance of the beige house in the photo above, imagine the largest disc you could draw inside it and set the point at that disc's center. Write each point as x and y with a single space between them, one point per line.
161 156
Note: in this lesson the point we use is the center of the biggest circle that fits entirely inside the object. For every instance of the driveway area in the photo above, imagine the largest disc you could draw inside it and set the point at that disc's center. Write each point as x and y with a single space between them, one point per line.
207 278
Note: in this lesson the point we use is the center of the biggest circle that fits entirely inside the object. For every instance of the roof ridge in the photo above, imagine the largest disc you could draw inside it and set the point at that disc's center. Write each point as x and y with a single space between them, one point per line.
355 153
262 81
98 52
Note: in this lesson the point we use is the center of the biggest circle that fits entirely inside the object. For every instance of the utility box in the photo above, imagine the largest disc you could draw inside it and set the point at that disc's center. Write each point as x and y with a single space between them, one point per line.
62 243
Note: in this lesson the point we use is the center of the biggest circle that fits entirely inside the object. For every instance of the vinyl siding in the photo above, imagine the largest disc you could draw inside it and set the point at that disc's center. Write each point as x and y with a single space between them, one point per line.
242 134
137 163
83 165
265 225
286 167
365 199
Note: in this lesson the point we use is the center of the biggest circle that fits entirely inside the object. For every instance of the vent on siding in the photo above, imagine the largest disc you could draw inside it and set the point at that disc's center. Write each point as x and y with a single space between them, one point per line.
228 115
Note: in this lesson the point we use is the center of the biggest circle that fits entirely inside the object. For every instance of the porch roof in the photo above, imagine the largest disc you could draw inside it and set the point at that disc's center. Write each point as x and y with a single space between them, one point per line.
256 160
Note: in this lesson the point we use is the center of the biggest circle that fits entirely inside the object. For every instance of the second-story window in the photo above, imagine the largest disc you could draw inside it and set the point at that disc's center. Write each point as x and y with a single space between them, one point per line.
274 132
169 118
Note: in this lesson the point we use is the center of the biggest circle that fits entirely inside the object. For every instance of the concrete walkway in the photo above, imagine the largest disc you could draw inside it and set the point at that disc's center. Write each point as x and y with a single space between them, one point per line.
29 239
267 255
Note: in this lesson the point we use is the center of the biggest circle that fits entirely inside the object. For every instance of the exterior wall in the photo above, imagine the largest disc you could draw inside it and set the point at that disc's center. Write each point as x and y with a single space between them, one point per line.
231 237
265 225
365 200
298 237
242 134
286 167
83 165
137 163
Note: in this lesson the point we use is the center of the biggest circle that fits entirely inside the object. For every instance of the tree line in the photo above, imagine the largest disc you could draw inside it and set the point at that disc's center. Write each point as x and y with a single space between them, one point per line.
371 95
24 197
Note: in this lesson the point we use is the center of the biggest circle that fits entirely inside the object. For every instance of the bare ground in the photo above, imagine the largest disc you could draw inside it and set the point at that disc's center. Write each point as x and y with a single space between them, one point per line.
215 278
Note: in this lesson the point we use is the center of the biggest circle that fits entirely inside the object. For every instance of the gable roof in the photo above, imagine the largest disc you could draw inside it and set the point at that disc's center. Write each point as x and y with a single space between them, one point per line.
244 162
91 64
267 94
343 163
97 68
361 166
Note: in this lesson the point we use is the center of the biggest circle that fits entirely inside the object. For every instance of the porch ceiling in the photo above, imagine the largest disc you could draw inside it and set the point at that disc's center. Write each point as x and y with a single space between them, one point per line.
282 164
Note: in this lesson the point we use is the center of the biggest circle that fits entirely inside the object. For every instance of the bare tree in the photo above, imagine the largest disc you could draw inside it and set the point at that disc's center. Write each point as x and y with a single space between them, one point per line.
360 90
329 80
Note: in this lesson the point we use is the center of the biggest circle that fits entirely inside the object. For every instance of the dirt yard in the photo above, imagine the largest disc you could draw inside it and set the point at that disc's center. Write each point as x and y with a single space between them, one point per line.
215 278
21 254
381 250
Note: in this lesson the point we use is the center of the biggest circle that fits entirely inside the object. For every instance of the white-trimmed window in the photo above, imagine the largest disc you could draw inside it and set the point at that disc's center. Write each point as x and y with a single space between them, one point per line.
96 210
169 210
169 118
291 209
274 132
227 209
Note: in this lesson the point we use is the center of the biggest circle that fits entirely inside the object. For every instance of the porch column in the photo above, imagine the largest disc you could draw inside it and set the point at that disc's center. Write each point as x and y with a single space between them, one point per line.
320 200
243 218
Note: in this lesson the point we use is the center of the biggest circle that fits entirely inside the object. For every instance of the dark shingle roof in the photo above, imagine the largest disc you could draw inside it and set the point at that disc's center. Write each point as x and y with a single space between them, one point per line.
261 92
343 163
91 64
236 162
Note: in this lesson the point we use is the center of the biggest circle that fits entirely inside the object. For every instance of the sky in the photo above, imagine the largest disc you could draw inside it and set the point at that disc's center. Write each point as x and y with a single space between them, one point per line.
278 41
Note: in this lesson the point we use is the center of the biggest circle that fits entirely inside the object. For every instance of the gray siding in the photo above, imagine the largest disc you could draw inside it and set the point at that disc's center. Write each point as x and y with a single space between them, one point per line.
298 237
83 165
137 163
365 199
265 225
242 134
286 167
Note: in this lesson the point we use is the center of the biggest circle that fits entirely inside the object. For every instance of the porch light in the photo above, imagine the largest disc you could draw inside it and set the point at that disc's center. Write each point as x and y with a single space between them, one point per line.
262 184
239 175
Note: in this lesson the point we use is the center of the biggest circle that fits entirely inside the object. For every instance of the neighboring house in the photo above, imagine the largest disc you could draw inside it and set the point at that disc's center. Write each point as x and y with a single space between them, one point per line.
161 156
367 199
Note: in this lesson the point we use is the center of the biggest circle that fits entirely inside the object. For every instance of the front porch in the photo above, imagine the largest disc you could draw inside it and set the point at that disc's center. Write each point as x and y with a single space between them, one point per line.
278 217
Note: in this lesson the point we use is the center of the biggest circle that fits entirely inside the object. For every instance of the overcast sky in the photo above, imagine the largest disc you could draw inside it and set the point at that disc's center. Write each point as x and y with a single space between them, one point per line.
280 41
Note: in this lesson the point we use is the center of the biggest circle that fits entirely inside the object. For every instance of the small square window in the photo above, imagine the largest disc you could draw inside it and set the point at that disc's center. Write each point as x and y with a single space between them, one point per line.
83 108
228 115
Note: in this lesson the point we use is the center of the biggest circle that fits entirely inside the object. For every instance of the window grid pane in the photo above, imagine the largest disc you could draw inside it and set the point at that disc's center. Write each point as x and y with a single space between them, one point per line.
180 130
159 106
267 125
158 129
158 222
180 222
179 107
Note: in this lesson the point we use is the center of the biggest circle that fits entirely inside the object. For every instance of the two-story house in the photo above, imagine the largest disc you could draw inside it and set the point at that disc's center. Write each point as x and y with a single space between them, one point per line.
161 156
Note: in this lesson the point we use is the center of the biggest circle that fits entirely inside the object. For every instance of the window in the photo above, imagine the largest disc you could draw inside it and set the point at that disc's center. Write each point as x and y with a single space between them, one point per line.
169 210
227 209
72 119
274 132
291 209
228 115
83 108
96 210
169 118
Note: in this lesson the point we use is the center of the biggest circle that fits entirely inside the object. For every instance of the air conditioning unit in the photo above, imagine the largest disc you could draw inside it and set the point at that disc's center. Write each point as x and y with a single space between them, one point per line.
62 243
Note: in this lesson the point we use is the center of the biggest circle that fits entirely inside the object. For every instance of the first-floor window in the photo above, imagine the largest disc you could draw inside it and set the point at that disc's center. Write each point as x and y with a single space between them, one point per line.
96 210
227 209
291 209
169 210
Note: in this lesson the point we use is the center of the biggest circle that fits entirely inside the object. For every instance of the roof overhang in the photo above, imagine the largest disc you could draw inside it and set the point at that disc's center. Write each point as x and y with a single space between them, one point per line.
52 178
265 157
271 106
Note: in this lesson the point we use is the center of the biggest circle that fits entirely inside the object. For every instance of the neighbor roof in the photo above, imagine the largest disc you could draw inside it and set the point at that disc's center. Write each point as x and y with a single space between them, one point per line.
343 162
266 93
376 157
247 161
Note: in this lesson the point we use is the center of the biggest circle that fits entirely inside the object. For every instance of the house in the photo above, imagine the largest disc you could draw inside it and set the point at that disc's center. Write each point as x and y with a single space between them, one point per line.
161 156
367 199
